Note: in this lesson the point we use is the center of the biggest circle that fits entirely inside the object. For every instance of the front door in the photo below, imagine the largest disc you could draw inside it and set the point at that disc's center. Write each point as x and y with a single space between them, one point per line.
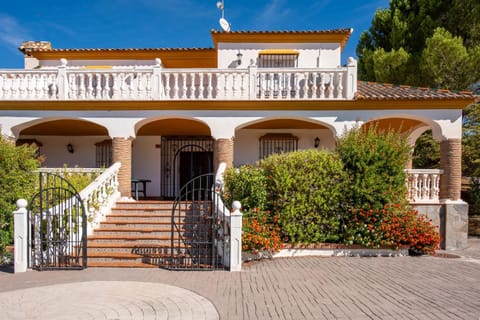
194 164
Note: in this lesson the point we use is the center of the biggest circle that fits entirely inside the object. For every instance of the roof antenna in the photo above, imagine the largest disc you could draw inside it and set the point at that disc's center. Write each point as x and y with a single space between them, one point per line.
224 24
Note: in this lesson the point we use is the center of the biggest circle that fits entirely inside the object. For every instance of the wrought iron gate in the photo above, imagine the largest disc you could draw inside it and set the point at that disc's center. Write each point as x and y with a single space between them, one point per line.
57 226
183 158
199 230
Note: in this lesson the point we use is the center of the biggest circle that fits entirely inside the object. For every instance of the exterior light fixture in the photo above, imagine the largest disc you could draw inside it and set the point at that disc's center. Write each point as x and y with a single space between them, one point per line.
70 148
316 142
239 58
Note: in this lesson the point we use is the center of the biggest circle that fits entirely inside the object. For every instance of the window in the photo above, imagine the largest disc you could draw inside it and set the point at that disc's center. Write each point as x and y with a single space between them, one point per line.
277 143
278 59
103 154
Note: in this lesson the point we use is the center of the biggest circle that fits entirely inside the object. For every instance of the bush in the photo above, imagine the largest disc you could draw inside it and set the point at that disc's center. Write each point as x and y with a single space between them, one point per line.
306 188
393 226
374 162
16 166
474 203
248 185
261 233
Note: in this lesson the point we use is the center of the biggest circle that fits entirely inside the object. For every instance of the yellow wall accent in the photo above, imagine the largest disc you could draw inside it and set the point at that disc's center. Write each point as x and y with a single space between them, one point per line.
279 51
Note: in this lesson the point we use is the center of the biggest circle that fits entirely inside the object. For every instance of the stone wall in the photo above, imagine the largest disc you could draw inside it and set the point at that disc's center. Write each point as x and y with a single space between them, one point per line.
452 220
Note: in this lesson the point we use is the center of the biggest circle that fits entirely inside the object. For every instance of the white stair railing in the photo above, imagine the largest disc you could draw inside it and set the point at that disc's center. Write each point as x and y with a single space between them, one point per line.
423 185
230 248
99 196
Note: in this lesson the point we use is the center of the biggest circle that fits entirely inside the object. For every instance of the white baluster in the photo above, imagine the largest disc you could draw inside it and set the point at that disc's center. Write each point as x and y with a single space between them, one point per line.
340 94
233 76
167 85
184 93
89 86
198 89
148 85
330 87
210 86
225 85
314 85
175 86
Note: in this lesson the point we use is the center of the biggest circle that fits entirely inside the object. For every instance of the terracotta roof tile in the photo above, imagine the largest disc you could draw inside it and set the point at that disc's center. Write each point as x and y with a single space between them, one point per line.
113 49
379 91
345 30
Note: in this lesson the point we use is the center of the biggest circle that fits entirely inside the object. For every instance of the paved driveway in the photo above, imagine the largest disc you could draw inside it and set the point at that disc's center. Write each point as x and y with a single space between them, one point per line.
290 288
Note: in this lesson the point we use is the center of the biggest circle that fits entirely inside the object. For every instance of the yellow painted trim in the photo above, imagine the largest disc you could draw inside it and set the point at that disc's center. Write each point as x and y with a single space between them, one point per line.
203 58
237 105
279 51
297 37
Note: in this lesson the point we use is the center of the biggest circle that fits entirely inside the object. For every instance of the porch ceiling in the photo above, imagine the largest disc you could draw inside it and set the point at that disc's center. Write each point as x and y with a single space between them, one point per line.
174 127
285 124
398 124
66 128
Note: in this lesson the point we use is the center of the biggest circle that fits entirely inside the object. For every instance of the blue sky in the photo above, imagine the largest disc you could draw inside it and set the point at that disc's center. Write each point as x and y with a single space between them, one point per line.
166 23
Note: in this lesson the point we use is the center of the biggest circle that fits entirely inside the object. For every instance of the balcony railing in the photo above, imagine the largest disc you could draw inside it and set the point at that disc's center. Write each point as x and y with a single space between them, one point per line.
157 83
423 185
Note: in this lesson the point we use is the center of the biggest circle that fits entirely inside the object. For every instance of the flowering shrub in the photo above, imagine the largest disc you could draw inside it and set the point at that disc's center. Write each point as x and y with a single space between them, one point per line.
393 226
260 232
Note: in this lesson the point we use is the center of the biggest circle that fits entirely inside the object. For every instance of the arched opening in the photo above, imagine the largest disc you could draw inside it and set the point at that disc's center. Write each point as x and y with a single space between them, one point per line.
175 150
67 142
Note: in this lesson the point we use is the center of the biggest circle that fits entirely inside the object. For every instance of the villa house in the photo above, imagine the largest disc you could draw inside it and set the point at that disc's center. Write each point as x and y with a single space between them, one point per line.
170 114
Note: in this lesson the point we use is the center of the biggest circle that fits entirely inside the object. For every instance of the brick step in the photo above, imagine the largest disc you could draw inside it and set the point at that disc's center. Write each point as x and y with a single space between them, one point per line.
120 237
145 249
108 230
119 264
145 204
141 227
137 224
138 217
142 210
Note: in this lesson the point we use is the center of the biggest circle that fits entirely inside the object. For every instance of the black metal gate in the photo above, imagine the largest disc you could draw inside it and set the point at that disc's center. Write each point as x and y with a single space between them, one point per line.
57 226
182 159
199 229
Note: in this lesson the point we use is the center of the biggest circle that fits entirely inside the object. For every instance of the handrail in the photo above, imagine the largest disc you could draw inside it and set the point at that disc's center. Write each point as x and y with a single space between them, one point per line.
100 195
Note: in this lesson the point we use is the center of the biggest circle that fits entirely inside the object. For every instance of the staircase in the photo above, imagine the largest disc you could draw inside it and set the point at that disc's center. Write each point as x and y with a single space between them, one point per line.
139 235
135 235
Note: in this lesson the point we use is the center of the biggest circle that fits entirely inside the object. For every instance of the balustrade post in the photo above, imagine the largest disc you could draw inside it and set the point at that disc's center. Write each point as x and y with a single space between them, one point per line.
20 236
157 92
351 86
252 82
236 237
62 81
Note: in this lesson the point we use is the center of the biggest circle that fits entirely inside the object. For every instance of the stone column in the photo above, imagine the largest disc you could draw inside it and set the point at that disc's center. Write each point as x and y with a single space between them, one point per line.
451 163
223 152
122 152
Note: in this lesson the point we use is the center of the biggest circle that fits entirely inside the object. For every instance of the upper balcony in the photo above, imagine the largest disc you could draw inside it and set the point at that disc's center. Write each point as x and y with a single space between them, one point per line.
155 83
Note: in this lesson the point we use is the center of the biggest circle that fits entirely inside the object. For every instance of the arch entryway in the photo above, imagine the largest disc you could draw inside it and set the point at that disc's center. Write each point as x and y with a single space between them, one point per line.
170 152
66 141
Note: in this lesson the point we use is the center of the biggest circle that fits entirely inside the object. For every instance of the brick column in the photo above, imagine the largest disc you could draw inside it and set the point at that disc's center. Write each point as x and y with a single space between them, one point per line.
451 163
223 152
122 152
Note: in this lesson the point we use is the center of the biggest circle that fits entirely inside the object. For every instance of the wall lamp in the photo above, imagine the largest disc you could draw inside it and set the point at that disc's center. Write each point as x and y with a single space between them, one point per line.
316 142
70 148
239 58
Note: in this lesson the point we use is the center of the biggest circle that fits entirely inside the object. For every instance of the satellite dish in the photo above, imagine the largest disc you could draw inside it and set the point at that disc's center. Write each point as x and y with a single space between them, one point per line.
224 24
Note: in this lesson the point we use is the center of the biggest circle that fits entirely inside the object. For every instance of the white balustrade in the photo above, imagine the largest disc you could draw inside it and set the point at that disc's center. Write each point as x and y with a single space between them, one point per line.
99 196
423 185
156 83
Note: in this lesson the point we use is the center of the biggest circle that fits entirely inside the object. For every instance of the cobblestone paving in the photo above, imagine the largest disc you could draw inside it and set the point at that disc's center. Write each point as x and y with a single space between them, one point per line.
296 288
106 300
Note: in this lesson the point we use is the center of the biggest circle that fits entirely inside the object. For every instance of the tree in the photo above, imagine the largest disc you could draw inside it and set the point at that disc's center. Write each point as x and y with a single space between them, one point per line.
406 25
439 38
16 166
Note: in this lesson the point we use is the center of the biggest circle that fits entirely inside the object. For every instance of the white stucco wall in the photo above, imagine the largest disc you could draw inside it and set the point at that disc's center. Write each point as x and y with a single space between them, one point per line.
246 143
311 55
54 148
146 162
